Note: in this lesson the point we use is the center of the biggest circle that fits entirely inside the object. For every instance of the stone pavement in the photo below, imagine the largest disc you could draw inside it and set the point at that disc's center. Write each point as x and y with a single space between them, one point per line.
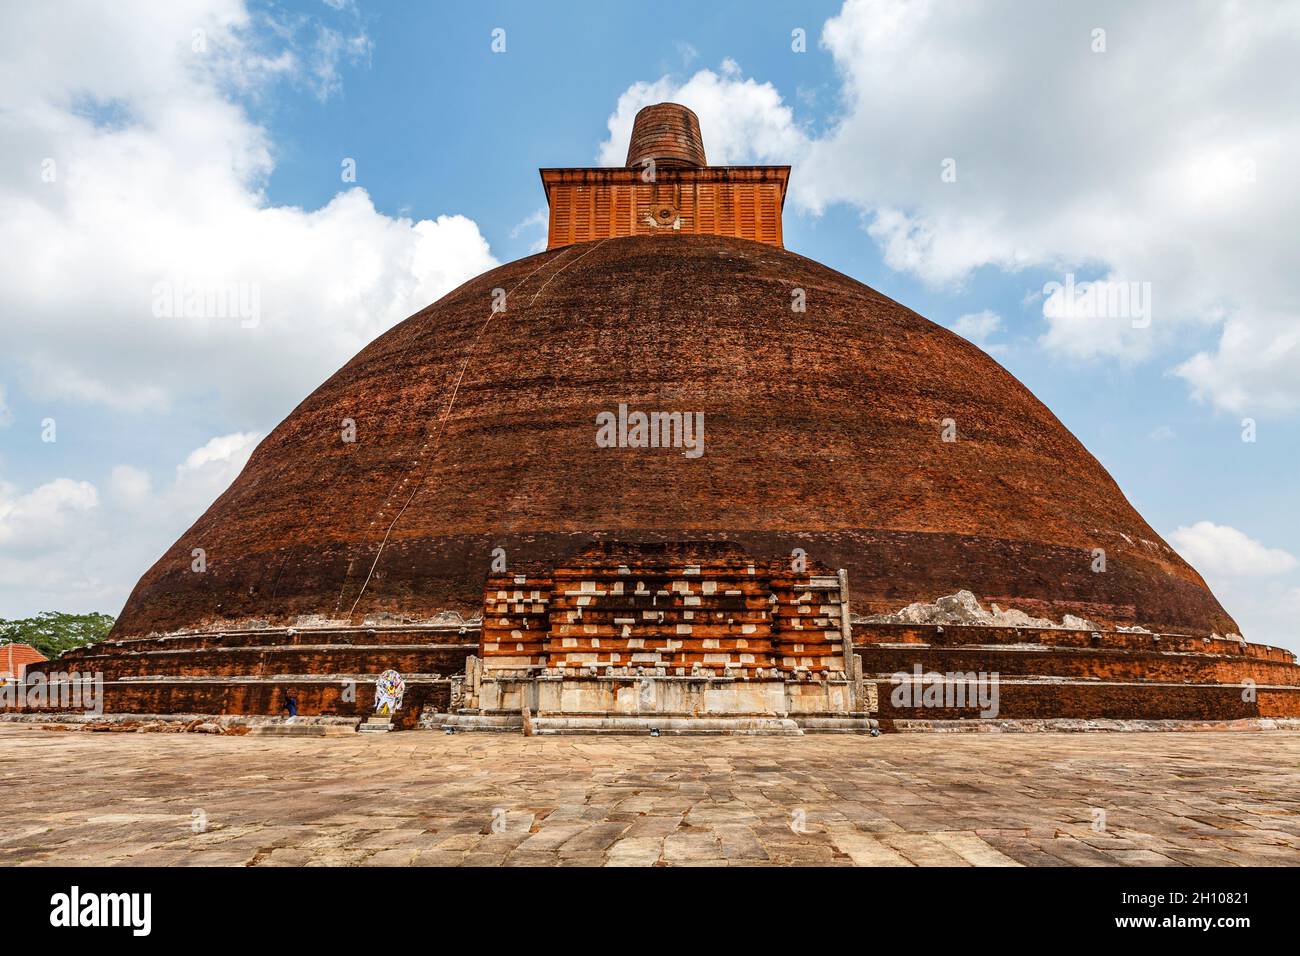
424 798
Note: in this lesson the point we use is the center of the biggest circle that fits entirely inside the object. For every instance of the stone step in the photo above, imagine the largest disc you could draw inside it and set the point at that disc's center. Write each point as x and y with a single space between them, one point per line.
301 730
668 727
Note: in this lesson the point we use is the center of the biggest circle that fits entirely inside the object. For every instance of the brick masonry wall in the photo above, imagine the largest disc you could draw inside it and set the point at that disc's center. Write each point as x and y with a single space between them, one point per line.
262 697
1113 701
822 433
1081 664
253 662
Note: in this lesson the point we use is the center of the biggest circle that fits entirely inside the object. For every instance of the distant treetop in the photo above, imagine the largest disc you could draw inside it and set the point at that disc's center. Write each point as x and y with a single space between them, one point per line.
52 632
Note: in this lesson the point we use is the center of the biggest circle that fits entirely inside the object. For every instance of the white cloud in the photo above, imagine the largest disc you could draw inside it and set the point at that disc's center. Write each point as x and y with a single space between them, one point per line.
1066 159
34 521
129 485
159 179
64 547
223 448
1265 609
1215 549
1253 369
537 222
329 51
1179 176
741 120
978 326
206 473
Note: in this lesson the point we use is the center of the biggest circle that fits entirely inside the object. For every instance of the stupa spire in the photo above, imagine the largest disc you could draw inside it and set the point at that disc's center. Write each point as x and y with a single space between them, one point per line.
668 134
666 188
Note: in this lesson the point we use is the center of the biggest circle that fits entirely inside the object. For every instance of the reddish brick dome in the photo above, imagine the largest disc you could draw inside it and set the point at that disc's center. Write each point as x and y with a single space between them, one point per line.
823 430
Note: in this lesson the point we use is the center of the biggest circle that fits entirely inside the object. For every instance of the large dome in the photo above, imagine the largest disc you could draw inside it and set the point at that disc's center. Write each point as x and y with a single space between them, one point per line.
823 430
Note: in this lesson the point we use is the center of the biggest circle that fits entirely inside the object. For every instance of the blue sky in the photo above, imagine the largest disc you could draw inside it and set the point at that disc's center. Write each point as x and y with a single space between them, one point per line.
1115 162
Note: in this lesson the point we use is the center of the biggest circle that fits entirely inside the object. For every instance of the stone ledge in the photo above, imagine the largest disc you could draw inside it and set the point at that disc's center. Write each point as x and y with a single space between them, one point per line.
678 726
255 723
1058 725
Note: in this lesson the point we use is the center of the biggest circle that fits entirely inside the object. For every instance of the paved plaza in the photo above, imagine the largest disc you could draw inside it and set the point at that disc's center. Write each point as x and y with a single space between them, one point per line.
424 798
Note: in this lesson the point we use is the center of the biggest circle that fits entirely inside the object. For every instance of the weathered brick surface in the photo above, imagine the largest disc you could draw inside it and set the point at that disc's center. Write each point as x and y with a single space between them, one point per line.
1084 664
249 672
956 635
1095 674
681 606
667 134
264 697
279 637
822 432
1097 700
257 662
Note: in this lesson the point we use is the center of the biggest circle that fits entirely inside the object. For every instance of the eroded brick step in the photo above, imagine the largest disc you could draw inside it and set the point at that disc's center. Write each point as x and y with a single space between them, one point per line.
1120 701
286 636
1081 663
314 697
255 661
952 635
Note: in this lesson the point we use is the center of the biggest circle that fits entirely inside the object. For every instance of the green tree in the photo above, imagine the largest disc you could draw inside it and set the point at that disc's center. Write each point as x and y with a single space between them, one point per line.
52 632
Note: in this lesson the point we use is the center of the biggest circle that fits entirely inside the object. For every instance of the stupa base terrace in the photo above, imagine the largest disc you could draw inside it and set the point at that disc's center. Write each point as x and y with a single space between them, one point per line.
689 637
692 637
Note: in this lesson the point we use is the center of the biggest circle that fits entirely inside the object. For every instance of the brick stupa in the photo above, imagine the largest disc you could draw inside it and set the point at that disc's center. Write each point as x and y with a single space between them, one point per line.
836 424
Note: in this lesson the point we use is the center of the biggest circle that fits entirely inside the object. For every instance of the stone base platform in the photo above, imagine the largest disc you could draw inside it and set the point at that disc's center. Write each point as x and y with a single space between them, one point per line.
262 725
638 704
290 729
